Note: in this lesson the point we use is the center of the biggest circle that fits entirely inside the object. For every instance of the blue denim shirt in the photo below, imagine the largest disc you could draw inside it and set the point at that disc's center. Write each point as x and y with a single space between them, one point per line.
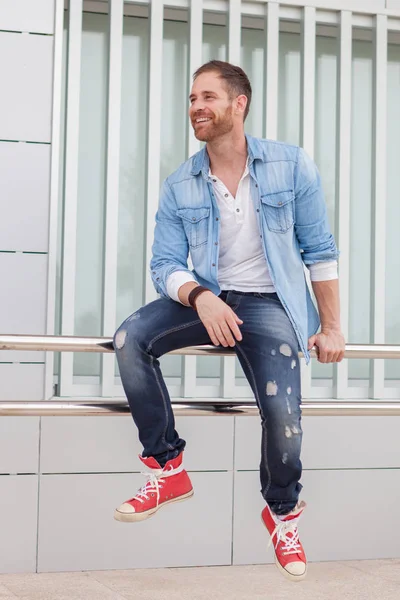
292 220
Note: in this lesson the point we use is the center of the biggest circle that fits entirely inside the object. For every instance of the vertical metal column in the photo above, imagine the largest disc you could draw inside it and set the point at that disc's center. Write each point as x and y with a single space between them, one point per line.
189 363
154 133
343 155
116 15
54 191
228 364
377 377
71 188
272 70
308 33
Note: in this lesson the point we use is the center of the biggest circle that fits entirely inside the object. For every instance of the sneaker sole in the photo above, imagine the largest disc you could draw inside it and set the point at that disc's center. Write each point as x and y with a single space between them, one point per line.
135 517
282 569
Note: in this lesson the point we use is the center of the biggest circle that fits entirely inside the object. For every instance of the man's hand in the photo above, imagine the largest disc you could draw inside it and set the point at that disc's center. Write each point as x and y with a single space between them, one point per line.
219 319
330 346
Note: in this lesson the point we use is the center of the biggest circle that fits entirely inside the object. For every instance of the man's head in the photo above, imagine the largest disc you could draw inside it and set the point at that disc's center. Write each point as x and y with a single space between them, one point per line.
219 100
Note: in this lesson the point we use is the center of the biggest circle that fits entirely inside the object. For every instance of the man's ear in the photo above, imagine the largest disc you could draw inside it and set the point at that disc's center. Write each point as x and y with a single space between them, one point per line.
241 103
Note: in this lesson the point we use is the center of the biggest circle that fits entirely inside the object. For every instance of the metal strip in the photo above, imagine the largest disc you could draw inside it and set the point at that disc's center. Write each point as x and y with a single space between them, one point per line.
154 133
343 187
379 202
272 70
234 31
195 59
308 32
55 343
228 364
113 408
189 363
71 187
112 187
54 190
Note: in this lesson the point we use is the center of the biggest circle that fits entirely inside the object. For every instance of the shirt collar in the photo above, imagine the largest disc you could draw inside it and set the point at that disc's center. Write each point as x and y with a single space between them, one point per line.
201 161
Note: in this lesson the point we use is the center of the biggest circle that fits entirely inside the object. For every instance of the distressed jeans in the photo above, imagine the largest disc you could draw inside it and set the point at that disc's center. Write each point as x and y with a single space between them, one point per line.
268 354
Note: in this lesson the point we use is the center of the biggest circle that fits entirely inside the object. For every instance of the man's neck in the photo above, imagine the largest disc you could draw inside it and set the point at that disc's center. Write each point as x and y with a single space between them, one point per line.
228 152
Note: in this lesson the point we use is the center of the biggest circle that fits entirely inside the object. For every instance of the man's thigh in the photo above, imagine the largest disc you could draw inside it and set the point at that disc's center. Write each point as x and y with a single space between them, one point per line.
162 326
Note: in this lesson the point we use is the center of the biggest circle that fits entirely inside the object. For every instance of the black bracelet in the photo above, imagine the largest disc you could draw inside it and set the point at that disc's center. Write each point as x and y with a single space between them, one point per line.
194 293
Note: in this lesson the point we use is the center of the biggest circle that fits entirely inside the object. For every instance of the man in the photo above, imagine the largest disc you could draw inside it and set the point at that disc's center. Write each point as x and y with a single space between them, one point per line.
251 213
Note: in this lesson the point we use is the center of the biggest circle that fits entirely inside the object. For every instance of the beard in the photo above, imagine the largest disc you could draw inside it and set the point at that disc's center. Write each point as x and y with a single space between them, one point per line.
215 129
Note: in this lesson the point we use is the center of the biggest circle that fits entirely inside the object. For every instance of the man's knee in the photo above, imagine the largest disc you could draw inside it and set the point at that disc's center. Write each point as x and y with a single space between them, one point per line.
132 329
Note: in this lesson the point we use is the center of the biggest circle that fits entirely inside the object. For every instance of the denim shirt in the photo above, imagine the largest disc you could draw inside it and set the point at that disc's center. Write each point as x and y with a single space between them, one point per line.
292 221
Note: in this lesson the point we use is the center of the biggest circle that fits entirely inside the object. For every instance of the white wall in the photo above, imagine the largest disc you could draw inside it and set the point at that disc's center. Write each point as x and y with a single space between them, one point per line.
26 39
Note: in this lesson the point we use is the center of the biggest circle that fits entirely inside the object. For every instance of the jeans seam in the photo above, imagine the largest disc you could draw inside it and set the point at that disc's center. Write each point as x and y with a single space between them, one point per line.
149 347
264 492
170 447
172 330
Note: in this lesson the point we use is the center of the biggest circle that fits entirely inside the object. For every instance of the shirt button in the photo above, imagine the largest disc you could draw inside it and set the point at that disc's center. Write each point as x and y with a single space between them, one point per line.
213 265
214 180
158 279
256 184
216 243
279 203
258 210
193 218
238 210
260 236
154 272
216 218
226 195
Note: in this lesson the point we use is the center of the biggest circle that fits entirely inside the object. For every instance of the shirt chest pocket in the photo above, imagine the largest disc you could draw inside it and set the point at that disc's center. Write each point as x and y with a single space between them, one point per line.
278 209
195 222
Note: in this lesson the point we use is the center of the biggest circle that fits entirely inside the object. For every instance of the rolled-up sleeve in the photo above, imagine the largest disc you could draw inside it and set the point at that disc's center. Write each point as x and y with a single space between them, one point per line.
311 221
170 248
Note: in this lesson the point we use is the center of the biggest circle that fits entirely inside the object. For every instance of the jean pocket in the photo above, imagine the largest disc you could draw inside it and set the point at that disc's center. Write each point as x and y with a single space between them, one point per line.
195 222
278 209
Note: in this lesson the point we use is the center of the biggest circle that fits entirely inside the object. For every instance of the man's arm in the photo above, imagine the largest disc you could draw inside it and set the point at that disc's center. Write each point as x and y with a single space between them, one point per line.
318 246
330 342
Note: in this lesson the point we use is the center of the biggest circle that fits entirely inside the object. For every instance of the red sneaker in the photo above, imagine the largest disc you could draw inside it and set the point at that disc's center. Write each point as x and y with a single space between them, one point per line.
289 553
163 486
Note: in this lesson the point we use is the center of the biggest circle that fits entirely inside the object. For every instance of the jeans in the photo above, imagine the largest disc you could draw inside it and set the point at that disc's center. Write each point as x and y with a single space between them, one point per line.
268 356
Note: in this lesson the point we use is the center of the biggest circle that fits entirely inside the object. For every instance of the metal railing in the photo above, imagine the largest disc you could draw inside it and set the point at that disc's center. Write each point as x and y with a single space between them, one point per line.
104 407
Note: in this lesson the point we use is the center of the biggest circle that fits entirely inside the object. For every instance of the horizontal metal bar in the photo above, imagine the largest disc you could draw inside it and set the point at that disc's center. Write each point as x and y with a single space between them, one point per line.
71 343
109 408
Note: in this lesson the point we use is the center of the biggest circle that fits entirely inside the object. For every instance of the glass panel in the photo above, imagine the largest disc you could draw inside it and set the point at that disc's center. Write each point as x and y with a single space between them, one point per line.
252 61
392 316
91 189
174 123
360 205
325 141
132 173
289 88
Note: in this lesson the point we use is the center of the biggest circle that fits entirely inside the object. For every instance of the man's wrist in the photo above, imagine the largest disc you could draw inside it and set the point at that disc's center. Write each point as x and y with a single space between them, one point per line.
195 293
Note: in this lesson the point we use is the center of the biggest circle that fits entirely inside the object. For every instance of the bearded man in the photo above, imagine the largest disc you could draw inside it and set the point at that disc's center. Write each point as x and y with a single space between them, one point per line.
251 213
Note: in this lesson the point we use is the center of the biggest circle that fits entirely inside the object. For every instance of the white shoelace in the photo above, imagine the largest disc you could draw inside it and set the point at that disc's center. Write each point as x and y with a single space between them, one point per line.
155 477
282 529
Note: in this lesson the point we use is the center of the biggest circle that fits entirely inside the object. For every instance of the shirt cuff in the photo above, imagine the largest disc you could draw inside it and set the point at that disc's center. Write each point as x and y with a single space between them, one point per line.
175 281
324 271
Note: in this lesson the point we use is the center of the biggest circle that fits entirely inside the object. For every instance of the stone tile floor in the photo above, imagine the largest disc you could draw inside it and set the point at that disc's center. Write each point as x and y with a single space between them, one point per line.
355 580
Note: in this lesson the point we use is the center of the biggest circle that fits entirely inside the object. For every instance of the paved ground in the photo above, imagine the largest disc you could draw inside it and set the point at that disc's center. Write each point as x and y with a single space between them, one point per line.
357 580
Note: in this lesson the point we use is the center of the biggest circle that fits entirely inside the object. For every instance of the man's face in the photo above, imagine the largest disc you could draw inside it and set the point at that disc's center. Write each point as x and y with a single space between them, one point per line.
211 110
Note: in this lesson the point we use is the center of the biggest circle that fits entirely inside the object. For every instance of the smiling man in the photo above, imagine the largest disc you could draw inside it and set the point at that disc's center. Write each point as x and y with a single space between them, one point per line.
251 213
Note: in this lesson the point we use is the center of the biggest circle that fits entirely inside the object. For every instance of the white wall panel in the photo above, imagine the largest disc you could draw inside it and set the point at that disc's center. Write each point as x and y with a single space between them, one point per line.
21 382
24 196
19 444
23 306
340 520
18 523
25 15
112 445
87 537
26 90
329 442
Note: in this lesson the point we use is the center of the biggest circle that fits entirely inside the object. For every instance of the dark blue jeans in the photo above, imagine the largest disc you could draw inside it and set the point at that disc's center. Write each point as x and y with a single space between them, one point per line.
268 355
